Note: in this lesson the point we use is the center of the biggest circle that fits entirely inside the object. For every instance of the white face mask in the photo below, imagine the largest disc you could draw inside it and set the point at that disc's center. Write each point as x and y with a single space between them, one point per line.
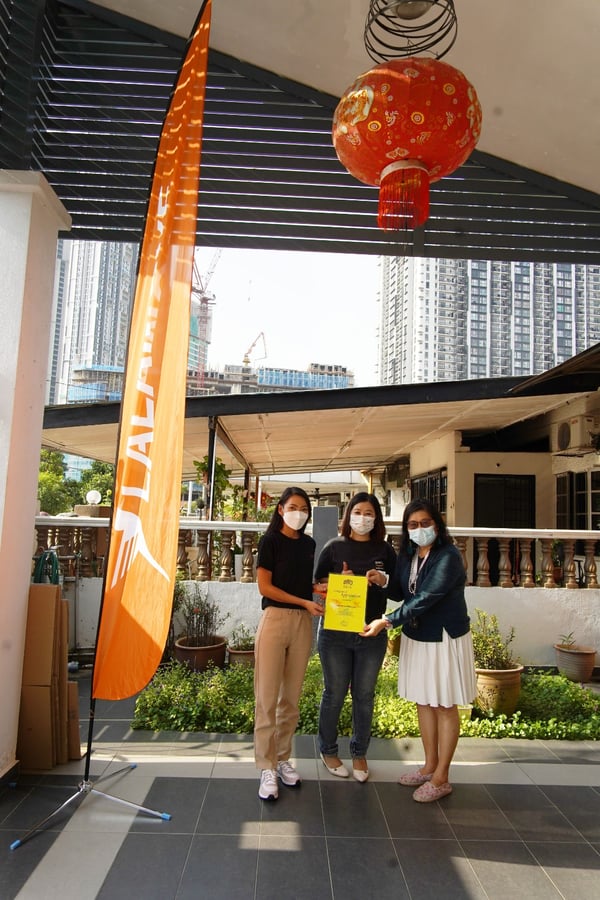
295 519
361 524
423 537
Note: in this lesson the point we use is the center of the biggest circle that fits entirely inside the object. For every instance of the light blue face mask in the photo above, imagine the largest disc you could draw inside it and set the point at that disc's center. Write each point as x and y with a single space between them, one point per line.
423 537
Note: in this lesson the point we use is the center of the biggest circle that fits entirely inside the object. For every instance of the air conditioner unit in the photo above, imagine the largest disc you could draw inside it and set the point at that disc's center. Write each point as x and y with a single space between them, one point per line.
573 435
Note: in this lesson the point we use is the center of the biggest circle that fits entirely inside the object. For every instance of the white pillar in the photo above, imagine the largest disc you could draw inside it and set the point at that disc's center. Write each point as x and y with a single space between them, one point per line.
30 217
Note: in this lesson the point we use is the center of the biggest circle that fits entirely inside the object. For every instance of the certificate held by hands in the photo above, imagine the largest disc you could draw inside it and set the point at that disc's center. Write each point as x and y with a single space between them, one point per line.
346 603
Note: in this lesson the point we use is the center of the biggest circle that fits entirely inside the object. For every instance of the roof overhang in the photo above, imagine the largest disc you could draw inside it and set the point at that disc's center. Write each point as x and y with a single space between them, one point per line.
362 429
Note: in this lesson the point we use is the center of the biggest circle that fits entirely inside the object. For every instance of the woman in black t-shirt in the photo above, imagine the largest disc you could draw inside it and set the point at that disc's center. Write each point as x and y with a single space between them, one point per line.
349 660
284 569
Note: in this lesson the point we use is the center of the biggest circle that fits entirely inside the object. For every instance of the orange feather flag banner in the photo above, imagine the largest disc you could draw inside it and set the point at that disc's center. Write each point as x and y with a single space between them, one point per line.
142 557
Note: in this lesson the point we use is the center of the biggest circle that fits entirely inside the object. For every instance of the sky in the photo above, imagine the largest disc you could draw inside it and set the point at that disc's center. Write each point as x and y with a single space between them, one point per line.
310 307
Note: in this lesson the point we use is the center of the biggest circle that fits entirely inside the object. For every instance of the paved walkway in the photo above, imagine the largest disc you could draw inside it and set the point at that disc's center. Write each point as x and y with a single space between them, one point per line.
523 821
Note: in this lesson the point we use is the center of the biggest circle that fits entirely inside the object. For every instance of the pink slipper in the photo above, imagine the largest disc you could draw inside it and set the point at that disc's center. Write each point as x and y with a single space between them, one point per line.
429 792
412 779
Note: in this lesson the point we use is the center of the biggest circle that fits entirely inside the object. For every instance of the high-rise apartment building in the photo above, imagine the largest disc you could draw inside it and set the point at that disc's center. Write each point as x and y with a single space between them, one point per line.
453 319
94 287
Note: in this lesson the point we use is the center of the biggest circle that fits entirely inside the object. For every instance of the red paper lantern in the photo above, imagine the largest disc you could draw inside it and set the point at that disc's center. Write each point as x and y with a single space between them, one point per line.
402 125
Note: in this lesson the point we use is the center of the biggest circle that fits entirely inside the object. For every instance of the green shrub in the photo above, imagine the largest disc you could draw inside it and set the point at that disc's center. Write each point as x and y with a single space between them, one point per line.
222 701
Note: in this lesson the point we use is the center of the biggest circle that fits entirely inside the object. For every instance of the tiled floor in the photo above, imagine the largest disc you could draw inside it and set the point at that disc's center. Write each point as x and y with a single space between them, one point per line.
523 821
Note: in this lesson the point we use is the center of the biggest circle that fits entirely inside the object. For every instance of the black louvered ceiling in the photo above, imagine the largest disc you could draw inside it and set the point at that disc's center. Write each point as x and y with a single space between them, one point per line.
84 93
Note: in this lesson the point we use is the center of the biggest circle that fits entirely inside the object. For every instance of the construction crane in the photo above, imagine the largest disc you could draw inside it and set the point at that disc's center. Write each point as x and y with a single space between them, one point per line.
199 341
246 360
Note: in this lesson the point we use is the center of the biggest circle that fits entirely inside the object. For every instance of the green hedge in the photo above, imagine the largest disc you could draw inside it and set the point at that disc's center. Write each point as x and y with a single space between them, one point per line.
222 700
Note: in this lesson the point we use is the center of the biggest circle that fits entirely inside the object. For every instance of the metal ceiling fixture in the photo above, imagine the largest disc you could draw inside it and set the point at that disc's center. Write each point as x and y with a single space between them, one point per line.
392 29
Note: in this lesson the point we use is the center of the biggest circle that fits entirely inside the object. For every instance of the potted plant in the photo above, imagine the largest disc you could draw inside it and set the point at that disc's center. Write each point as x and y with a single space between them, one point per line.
498 671
573 660
200 644
240 648
393 641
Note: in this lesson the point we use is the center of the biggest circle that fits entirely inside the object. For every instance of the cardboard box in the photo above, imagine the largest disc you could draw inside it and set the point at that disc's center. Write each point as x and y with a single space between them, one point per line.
43 722
35 750
62 752
42 634
73 722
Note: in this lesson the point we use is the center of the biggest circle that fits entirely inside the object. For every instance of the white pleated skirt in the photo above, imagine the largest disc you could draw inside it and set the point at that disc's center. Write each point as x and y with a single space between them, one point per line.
437 673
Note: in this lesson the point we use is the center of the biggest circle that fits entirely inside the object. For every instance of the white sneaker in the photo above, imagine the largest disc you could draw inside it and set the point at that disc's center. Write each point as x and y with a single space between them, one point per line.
287 773
268 789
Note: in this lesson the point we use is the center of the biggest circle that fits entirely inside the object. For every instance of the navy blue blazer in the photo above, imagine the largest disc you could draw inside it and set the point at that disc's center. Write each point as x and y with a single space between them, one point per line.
439 602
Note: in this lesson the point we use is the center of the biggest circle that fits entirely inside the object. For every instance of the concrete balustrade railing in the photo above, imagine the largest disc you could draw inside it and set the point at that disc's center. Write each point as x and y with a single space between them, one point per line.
526 595
207 551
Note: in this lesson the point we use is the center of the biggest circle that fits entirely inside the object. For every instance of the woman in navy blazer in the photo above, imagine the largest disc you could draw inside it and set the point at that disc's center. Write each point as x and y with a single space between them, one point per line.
436 667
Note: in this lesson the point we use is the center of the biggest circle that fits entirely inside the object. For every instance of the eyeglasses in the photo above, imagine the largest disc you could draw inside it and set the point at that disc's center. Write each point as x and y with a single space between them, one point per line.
424 523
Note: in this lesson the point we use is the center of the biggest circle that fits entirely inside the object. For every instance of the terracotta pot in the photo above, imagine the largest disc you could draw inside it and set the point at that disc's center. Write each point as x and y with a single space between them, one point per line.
498 690
240 657
574 662
198 658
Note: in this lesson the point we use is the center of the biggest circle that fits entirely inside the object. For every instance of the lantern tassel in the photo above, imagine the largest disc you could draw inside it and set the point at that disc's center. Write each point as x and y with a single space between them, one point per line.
403 196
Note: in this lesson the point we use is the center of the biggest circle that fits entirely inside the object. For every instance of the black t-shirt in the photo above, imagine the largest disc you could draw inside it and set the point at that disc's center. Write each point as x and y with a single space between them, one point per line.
290 561
359 556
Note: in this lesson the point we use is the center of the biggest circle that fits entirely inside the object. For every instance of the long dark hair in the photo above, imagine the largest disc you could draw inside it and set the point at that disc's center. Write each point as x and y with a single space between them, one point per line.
276 523
433 512
378 533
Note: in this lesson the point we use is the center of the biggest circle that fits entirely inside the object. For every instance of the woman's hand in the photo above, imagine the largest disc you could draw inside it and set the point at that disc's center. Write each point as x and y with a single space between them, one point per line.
315 609
378 578
374 627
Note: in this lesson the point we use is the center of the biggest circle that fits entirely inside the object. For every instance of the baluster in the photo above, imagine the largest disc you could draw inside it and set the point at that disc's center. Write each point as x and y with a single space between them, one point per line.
227 545
547 563
461 543
247 557
590 564
192 562
203 558
527 579
569 565
483 565
182 559
43 539
86 557
504 569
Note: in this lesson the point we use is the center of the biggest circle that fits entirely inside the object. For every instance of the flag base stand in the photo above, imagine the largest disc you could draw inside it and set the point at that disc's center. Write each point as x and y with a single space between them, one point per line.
84 788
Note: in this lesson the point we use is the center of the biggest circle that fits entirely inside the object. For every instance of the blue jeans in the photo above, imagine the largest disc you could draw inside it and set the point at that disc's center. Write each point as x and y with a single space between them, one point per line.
348 661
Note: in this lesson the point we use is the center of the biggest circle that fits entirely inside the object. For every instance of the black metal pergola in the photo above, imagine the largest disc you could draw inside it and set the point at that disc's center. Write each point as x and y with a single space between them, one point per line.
83 92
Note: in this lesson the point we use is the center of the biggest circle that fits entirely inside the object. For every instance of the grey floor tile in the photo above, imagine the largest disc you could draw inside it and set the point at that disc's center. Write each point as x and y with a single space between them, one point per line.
365 867
17 865
508 869
231 806
473 814
406 818
41 801
182 798
481 750
148 866
580 805
351 809
576 752
531 813
297 811
293 867
435 869
220 867
573 868
402 749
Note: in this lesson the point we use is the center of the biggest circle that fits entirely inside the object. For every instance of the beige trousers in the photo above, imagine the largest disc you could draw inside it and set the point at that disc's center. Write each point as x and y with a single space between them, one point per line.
282 649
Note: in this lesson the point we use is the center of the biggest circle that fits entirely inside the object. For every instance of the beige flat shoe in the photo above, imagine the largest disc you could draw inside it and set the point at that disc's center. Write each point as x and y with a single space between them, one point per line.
361 774
335 766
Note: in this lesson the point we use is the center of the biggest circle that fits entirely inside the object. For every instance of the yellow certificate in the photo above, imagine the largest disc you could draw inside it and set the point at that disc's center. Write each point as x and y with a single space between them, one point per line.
346 603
